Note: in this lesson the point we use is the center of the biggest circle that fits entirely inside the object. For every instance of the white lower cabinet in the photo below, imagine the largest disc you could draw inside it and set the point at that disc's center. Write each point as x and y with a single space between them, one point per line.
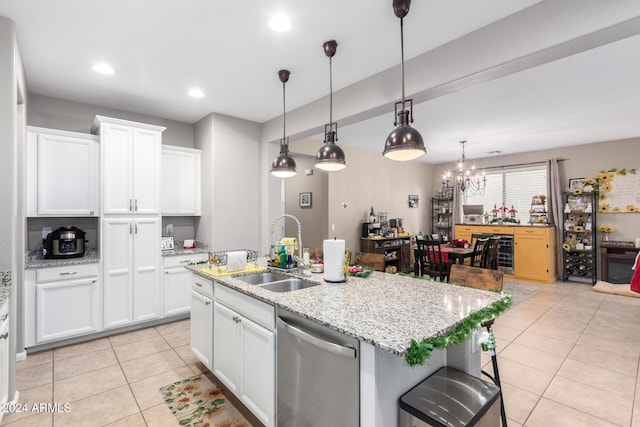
132 281
177 282
66 303
4 354
244 350
202 320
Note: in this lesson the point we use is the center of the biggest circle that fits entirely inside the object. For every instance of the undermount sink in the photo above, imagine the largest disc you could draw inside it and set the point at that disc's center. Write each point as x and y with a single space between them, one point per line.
288 285
262 278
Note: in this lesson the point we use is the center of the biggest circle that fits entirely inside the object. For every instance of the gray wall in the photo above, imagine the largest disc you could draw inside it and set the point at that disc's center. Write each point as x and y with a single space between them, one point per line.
54 113
314 220
231 182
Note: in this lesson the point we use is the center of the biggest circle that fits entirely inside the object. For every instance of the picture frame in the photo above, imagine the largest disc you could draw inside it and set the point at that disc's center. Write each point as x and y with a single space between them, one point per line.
305 199
413 200
167 244
575 183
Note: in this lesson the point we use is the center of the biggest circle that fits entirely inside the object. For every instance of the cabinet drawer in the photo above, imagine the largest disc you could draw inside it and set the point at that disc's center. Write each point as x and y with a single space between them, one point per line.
531 231
66 273
182 260
258 311
496 230
468 229
202 285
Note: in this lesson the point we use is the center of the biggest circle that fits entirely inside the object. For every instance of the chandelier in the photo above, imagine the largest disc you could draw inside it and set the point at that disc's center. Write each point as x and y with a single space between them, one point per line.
466 179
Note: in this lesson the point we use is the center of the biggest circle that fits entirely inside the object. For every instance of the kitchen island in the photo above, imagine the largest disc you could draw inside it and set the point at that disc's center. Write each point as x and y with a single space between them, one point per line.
384 312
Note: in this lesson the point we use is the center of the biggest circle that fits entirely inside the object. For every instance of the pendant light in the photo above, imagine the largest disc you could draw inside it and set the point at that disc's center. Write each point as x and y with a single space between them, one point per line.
330 157
404 142
284 166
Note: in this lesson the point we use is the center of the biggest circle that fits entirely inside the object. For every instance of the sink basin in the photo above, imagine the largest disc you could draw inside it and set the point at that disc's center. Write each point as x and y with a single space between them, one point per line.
288 285
262 278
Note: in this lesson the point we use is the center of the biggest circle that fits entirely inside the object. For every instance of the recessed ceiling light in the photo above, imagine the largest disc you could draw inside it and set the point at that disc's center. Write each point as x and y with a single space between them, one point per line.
280 23
196 93
103 69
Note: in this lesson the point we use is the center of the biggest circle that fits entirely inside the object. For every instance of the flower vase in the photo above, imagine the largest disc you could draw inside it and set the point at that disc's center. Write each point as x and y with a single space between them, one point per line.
605 237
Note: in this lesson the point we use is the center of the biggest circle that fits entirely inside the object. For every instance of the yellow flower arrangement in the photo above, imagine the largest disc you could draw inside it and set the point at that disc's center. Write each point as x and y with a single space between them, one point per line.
602 196
606 187
604 177
589 181
616 209
578 229
606 229
604 207
632 208
576 191
566 247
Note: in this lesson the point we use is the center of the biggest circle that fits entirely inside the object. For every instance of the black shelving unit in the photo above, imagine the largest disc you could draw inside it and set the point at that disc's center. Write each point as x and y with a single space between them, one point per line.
442 216
579 232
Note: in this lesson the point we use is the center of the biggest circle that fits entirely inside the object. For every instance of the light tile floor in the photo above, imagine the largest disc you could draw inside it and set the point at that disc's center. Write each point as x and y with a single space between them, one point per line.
568 356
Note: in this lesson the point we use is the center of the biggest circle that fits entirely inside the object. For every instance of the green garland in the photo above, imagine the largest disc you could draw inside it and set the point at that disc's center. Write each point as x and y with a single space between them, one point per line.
421 350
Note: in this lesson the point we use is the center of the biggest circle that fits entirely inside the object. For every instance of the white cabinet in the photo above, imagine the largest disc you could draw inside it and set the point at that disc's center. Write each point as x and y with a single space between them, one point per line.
66 301
244 350
177 282
62 173
132 283
130 158
4 354
202 320
181 181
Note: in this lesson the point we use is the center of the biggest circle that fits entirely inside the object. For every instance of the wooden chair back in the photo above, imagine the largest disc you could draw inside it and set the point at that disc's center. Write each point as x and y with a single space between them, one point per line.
490 259
373 261
479 249
429 260
476 277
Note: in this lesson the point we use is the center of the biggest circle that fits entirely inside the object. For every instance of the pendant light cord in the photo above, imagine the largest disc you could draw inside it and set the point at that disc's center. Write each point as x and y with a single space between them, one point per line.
284 115
330 91
402 57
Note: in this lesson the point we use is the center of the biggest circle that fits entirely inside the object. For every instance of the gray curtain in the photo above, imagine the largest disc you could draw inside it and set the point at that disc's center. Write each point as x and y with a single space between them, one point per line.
555 208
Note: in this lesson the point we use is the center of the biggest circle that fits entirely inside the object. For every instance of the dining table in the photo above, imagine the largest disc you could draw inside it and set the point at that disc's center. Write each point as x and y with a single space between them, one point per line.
456 254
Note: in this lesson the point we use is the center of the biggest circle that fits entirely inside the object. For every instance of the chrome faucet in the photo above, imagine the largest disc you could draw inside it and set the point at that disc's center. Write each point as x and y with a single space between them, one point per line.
301 265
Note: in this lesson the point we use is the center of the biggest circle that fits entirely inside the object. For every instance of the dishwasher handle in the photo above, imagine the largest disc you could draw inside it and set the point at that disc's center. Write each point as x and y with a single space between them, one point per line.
341 350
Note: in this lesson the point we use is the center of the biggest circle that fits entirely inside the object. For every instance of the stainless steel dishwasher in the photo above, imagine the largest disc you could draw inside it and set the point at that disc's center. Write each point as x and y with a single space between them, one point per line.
318 375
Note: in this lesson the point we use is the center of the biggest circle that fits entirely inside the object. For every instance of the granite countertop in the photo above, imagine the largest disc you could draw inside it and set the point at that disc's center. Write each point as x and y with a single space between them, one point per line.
34 259
510 224
6 286
199 249
384 310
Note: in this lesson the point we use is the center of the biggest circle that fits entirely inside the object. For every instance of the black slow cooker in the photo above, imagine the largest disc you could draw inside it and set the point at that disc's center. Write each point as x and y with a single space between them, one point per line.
64 242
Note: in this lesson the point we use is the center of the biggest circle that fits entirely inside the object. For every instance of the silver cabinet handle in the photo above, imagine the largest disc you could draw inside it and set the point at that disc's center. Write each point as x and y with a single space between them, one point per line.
4 317
130 228
199 284
207 302
340 350
130 205
68 273
136 208
4 336
186 261
136 226
90 212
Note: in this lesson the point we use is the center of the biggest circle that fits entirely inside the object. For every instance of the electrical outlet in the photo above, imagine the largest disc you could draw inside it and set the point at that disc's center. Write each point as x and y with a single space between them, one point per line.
45 232
170 229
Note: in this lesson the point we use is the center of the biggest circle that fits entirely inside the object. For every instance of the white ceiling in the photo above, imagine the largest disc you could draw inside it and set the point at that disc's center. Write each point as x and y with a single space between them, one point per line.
162 48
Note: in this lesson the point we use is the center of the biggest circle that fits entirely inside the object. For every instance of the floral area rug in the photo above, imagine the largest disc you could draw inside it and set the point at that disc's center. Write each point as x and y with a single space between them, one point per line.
197 402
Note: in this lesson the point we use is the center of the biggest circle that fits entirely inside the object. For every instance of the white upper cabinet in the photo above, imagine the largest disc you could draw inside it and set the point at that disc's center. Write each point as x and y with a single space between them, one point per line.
181 182
130 157
62 173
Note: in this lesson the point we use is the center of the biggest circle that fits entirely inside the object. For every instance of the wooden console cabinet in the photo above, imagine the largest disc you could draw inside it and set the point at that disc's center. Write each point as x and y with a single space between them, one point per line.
396 250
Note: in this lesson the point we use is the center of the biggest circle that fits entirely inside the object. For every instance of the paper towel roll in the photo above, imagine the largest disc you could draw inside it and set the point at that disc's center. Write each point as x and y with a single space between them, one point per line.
333 256
236 260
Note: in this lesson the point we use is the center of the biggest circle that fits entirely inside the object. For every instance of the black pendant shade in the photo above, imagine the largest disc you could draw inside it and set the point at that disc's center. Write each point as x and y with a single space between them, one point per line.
330 157
404 142
284 166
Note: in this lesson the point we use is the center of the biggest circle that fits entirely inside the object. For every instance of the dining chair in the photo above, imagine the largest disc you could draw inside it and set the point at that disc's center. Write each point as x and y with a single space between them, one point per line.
479 250
490 257
485 279
429 260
